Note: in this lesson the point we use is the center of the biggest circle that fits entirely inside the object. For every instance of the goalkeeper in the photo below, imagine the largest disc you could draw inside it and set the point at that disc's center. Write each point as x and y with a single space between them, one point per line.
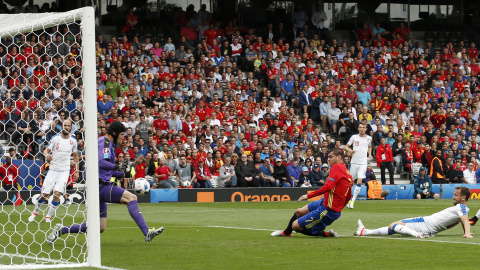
109 192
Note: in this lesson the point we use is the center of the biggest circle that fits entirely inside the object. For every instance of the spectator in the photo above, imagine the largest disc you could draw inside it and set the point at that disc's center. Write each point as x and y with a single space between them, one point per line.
227 173
423 186
294 171
303 179
280 173
246 173
203 175
385 160
162 173
436 171
185 173
333 114
469 174
266 171
316 176
9 174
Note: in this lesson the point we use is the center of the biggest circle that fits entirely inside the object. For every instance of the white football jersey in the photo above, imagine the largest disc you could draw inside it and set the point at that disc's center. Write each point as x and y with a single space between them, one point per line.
62 150
446 218
360 146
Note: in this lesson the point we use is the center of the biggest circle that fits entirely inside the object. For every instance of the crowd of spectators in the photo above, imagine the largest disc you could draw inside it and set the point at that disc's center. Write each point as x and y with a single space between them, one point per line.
236 106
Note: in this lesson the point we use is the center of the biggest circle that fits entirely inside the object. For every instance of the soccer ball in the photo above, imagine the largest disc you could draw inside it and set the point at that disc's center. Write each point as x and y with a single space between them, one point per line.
141 186
186 184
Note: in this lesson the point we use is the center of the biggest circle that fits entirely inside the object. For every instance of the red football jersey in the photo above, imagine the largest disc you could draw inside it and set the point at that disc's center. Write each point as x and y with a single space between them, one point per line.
337 189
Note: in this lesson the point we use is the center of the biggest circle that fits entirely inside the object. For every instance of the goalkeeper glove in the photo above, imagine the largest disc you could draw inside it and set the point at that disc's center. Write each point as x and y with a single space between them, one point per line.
122 167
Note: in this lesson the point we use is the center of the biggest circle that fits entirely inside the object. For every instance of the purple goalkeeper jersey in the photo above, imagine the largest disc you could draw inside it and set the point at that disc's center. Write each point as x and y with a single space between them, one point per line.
106 160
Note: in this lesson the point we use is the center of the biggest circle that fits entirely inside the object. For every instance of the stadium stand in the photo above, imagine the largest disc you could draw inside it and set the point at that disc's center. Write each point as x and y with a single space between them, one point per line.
222 89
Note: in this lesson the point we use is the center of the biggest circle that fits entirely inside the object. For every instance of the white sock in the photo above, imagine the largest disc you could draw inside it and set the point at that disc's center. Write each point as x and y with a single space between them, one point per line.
355 193
478 214
401 229
379 231
38 206
53 207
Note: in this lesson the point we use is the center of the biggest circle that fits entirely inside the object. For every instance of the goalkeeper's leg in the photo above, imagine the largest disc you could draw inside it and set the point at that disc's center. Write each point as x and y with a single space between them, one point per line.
117 194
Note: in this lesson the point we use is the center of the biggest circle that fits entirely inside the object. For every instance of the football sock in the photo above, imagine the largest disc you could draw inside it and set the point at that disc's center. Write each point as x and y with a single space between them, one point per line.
289 229
379 231
53 207
473 220
357 190
478 215
77 228
39 206
401 229
136 214
309 233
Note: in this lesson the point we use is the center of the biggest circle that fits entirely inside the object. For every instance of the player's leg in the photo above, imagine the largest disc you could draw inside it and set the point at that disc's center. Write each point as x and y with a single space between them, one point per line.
300 212
59 230
474 219
119 195
48 185
43 199
61 180
53 206
408 226
358 172
362 231
315 222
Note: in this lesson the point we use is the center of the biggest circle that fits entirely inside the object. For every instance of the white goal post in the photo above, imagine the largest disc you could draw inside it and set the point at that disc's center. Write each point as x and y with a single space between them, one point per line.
16 25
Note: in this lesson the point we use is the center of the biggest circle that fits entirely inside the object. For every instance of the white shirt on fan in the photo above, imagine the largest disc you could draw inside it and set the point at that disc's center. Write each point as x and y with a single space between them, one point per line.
62 150
360 146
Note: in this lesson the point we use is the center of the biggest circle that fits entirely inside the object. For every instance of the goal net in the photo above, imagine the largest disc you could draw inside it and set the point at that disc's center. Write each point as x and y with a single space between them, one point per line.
47 75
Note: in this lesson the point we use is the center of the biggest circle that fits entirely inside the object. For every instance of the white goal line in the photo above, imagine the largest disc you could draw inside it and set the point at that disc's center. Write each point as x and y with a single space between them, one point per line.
65 264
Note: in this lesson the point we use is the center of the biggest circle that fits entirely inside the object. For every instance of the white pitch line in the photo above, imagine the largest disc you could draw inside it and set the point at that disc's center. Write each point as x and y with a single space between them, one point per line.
109 268
415 239
198 211
271 230
32 258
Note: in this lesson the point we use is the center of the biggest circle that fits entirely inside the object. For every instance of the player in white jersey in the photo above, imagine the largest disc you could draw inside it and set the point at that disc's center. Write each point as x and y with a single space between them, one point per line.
58 153
430 225
359 146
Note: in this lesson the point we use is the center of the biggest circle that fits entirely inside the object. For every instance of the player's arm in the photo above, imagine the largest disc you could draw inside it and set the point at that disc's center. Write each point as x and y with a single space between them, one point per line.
327 187
466 227
370 151
348 149
76 161
46 153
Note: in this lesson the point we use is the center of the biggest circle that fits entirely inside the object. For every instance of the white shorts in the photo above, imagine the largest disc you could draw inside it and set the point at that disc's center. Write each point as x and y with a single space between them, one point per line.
358 171
56 181
417 224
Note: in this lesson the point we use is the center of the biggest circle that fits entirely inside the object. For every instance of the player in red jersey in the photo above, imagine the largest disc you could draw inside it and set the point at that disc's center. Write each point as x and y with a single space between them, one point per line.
313 218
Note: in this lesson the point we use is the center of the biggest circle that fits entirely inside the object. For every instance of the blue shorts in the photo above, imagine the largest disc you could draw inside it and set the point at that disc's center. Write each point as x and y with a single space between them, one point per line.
318 218
109 194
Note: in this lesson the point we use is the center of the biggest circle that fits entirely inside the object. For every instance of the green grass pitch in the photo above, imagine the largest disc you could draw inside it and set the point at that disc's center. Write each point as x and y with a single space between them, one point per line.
237 236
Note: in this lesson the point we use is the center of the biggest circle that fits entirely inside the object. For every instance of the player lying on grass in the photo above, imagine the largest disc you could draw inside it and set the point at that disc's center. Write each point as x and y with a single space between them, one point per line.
109 192
312 219
422 227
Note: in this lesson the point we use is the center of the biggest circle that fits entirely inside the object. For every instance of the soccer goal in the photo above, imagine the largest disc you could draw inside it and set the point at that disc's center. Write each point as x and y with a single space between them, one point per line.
47 74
